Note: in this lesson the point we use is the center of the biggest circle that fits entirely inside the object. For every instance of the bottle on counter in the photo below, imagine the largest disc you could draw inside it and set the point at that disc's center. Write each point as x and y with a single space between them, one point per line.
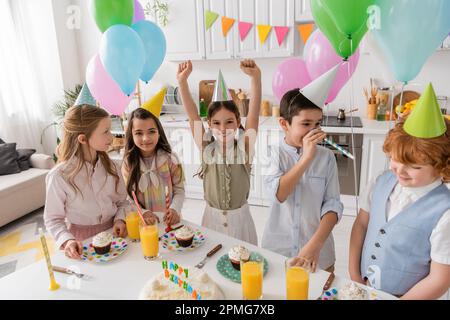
203 108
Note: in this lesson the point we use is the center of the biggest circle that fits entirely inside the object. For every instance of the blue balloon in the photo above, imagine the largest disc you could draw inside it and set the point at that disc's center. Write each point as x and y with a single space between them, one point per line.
123 56
155 47
409 32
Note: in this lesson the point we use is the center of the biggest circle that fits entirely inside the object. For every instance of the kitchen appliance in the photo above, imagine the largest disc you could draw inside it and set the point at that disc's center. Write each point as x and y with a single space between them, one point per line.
346 172
333 121
341 115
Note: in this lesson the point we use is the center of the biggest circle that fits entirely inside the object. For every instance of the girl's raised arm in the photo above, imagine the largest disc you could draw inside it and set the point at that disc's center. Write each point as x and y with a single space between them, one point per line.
195 122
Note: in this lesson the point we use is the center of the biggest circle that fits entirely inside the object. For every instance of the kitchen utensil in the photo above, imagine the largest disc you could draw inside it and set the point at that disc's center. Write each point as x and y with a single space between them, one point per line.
327 284
341 114
208 255
71 272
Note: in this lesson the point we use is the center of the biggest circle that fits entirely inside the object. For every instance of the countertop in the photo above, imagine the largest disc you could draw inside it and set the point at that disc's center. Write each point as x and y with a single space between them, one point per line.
126 275
271 123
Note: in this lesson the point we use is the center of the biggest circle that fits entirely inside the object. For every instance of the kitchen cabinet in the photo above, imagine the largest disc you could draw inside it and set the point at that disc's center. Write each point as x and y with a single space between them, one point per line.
187 37
217 46
374 160
185 32
303 11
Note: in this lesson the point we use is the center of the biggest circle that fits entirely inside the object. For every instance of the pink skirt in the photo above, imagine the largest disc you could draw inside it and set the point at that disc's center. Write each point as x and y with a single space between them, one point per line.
82 232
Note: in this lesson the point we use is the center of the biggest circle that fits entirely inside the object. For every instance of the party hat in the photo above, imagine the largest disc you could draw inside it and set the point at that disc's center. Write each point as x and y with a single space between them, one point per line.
426 120
221 92
318 90
85 97
155 103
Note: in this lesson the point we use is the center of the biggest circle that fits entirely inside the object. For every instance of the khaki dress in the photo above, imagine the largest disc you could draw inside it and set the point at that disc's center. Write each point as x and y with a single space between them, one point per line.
226 184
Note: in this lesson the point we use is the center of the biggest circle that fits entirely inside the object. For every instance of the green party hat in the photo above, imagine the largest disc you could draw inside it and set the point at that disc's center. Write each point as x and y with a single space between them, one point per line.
426 120
221 92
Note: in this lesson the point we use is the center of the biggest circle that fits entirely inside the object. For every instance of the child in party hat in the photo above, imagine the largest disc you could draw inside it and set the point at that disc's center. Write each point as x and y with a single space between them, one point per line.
227 151
401 237
302 180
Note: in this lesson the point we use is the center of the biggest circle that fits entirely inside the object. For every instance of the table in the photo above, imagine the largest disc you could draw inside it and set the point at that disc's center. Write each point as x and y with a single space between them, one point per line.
125 276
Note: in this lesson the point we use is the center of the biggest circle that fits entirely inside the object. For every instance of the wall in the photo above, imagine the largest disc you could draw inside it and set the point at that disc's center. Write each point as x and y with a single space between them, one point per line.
371 65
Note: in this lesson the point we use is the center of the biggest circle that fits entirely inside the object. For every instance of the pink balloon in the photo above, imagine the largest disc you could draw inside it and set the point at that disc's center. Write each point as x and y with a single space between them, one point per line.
138 12
320 57
104 89
290 74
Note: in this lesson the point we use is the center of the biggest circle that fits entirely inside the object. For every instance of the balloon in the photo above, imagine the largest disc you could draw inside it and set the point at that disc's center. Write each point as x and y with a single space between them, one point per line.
138 12
107 13
410 31
349 16
290 74
343 46
104 89
123 56
320 57
155 47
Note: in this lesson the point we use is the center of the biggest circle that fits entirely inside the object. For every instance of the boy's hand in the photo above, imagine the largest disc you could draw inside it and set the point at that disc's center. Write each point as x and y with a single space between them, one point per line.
308 257
171 217
250 68
150 218
120 229
73 249
184 70
310 141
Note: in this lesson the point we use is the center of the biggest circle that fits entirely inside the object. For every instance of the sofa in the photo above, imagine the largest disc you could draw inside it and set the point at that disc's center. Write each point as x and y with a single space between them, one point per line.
23 192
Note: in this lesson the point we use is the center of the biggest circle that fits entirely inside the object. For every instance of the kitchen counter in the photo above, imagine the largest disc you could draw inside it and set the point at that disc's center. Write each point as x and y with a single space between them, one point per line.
124 277
271 123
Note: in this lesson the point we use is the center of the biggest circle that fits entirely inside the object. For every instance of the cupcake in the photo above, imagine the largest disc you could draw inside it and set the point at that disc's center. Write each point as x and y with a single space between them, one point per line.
238 254
184 236
102 242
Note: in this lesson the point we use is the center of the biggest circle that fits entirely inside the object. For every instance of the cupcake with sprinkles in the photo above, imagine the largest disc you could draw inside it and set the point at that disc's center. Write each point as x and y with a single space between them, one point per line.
184 236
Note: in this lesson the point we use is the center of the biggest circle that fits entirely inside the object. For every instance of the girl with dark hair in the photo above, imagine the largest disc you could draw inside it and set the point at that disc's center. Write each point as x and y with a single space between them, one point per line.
150 166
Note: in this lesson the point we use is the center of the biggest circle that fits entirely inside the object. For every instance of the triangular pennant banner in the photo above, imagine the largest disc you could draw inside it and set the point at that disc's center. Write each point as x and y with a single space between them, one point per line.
263 32
305 30
281 33
210 18
227 23
244 28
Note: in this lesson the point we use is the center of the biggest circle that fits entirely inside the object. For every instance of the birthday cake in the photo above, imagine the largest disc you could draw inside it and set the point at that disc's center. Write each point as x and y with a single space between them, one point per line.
192 284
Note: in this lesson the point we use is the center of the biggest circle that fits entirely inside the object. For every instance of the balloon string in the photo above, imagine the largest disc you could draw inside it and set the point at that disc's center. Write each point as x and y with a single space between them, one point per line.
401 100
352 91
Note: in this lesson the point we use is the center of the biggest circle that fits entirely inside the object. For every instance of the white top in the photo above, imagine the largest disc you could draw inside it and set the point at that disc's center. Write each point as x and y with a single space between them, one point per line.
292 223
404 196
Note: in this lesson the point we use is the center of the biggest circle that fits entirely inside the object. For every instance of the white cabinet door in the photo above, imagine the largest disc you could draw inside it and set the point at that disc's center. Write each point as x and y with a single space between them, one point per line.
217 46
183 145
303 11
246 11
280 13
374 160
185 36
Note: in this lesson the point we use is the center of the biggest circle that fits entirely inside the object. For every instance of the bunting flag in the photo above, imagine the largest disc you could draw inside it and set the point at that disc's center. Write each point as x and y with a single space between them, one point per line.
281 33
227 23
263 32
210 18
244 28
305 30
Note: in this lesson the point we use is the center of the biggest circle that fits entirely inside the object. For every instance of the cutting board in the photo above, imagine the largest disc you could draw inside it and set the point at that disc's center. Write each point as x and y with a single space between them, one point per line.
206 91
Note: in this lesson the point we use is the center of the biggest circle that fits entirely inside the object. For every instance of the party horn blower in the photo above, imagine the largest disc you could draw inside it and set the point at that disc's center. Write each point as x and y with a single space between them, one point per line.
138 208
338 147
53 284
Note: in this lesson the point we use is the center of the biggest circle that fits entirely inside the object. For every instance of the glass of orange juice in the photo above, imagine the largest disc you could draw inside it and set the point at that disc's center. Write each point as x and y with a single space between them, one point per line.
252 278
132 220
297 281
149 241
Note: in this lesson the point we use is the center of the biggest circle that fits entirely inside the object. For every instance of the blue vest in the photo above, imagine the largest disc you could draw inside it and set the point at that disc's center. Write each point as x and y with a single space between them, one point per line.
396 254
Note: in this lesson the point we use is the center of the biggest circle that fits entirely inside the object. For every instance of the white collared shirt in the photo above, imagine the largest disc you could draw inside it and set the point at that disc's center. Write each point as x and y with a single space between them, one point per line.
292 223
404 196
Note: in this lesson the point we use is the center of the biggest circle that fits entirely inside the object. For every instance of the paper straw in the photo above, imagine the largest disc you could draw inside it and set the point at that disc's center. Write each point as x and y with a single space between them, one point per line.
338 147
138 208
